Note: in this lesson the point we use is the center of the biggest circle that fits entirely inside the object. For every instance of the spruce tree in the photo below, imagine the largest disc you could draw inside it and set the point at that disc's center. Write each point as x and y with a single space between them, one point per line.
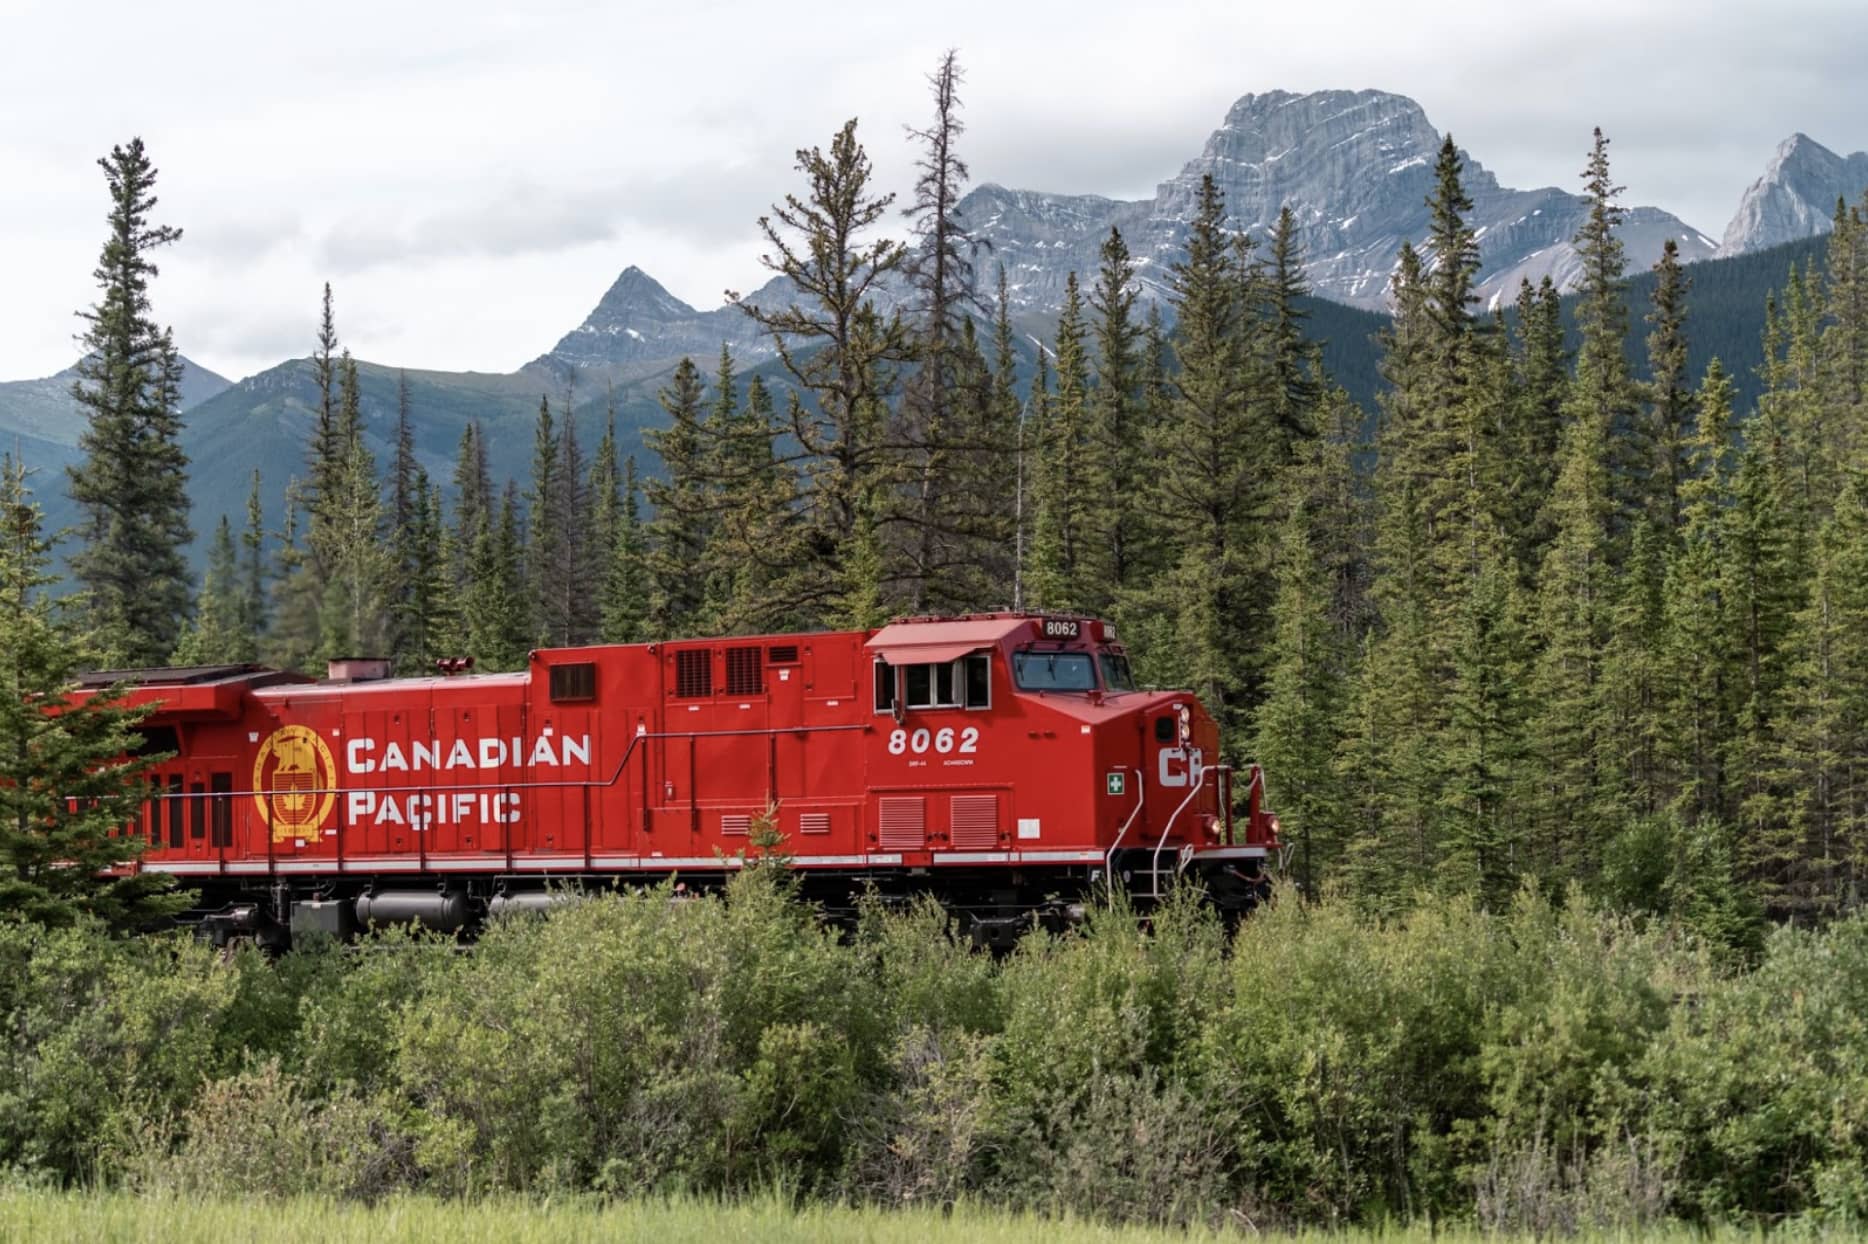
404 521
1579 799
1295 366
626 584
1116 466
325 453
1531 425
1209 473
473 505
1063 574
679 531
71 776
603 490
130 487
429 606
1698 649
293 640
214 635
495 617
545 512
1296 729
1602 392
346 538
253 613
1670 396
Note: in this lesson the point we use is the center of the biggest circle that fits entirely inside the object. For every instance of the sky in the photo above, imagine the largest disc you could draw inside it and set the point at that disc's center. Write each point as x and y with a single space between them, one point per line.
471 177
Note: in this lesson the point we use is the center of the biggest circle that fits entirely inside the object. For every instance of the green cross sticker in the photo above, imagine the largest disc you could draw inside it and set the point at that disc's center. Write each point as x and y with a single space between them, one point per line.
1115 780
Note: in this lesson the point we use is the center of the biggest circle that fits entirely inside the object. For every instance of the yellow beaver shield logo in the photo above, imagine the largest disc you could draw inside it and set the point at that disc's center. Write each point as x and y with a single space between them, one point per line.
294 778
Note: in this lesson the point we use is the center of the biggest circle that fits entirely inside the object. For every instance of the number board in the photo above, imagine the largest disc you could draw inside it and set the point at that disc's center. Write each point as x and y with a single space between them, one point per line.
1062 628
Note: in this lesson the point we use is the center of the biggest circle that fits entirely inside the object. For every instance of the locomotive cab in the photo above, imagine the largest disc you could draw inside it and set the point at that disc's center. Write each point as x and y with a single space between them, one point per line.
1038 718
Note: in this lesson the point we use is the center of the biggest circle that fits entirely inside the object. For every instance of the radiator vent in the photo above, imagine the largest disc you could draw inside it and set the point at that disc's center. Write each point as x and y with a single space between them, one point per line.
904 822
975 822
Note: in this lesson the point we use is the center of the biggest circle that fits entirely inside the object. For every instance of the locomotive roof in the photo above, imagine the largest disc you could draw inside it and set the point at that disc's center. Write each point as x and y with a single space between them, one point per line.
168 675
938 640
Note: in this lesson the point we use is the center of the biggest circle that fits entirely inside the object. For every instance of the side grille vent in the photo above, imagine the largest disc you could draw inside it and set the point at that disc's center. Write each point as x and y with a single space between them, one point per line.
814 822
740 825
694 673
904 822
975 822
743 673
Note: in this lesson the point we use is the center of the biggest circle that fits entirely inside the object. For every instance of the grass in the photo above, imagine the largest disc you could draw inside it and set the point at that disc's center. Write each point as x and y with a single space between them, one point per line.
54 1218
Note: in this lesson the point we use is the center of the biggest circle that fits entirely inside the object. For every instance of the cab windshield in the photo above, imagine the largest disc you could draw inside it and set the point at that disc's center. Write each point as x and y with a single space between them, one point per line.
1053 671
1116 674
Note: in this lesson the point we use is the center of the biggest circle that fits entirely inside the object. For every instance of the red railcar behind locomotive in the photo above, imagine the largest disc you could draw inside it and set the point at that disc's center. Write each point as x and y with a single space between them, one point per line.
1004 762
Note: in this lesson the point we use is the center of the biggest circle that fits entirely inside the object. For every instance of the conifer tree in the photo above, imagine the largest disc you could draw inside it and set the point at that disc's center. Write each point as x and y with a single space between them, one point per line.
603 487
430 601
131 485
346 539
1602 392
1845 297
1116 462
1578 802
1824 731
1633 675
626 585
1392 756
214 636
1763 583
679 531
495 618
1062 572
68 792
404 521
750 539
1530 434
1209 477
833 343
1484 793
1698 649
545 554
293 640
473 507
1033 429
253 612
325 453
932 426
1296 728
1670 397
1295 388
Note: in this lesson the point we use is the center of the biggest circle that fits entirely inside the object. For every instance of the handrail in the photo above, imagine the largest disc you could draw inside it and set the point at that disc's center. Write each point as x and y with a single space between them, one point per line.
1109 856
1154 863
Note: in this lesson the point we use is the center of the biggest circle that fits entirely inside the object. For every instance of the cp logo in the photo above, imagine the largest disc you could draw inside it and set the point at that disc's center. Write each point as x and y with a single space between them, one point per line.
1181 766
294 778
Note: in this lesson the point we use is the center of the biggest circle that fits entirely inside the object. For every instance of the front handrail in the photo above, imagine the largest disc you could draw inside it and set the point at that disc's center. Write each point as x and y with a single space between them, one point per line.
1154 863
1109 856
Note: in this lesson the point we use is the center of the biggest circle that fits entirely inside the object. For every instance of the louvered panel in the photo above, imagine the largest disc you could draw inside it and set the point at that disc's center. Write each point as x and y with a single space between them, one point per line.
975 822
904 822
740 825
813 822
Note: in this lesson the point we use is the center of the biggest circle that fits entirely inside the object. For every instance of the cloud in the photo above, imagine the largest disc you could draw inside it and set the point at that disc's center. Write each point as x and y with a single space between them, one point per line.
514 219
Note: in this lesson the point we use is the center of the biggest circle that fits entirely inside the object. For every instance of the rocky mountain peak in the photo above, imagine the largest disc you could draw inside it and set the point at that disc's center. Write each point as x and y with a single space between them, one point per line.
1355 167
1796 196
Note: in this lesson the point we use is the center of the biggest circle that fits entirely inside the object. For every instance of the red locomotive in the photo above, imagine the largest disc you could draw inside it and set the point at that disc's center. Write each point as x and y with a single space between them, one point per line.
1004 762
